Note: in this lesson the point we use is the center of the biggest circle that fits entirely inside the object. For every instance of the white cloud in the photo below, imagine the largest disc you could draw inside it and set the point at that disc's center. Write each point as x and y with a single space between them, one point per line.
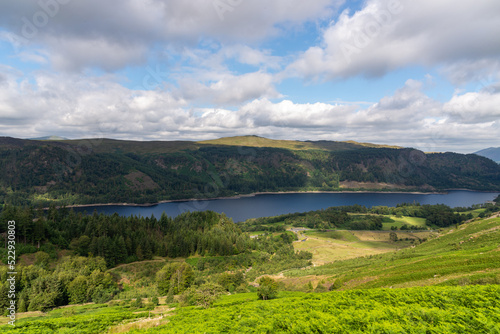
73 54
114 33
74 106
390 34
474 107
230 89
250 56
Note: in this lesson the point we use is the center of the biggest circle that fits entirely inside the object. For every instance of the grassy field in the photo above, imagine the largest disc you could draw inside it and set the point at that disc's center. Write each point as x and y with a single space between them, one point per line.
328 247
471 253
400 221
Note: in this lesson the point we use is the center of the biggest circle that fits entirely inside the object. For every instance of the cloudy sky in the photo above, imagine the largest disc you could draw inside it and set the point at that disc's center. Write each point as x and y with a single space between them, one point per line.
423 74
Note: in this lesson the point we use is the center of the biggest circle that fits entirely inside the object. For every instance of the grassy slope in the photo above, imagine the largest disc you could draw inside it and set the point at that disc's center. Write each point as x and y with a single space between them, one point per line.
255 141
104 145
341 245
424 310
400 221
472 251
471 309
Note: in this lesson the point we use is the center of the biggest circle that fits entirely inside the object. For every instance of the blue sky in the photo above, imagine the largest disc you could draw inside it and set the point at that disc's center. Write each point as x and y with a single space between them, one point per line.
383 71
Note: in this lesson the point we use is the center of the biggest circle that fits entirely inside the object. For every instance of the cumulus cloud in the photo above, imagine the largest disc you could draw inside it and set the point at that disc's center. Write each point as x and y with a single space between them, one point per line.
83 107
212 70
76 107
230 89
475 107
115 33
390 34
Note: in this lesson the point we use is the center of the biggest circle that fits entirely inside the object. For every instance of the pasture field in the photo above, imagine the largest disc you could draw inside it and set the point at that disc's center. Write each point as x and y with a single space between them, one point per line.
405 220
469 253
331 246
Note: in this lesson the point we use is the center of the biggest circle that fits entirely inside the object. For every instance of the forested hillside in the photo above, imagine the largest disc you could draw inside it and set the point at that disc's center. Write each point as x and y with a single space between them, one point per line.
100 242
446 284
111 171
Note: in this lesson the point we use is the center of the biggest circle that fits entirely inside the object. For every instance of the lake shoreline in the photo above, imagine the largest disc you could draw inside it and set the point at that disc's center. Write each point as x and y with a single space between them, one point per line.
266 193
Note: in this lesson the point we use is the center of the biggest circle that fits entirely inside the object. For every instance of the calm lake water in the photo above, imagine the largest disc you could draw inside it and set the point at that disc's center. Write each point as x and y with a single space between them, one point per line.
243 208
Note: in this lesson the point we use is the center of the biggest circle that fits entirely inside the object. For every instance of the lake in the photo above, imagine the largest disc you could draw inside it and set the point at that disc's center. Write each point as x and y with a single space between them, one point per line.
243 208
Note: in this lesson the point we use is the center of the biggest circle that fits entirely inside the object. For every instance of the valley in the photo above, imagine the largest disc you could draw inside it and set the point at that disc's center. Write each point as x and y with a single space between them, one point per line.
316 258
375 261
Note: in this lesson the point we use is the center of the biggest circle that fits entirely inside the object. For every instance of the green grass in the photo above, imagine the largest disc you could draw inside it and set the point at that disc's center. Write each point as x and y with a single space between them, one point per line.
472 309
76 319
467 309
337 235
331 246
475 213
455 254
457 309
255 141
400 221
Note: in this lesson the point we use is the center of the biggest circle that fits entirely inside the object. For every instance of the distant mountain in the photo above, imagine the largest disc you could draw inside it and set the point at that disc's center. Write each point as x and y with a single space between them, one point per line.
49 138
327 145
492 153
88 171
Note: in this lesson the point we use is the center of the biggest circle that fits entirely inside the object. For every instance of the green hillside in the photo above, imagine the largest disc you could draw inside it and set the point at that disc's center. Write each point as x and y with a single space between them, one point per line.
114 171
256 141
449 284
469 254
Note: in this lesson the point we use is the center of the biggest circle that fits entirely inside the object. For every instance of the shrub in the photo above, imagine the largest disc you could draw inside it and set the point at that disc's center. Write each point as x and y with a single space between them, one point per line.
268 288
203 296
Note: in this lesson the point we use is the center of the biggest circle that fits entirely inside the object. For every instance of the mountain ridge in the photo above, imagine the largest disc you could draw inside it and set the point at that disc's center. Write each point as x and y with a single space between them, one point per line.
89 171
492 153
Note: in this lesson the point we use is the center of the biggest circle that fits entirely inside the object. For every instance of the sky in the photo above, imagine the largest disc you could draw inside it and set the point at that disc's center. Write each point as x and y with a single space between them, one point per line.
422 74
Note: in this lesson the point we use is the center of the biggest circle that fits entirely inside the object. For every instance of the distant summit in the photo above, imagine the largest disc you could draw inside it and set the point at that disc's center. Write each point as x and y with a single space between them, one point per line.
326 145
49 138
492 153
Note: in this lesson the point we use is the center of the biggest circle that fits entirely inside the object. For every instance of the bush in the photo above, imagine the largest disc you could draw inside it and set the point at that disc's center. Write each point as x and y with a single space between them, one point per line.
242 288
137 303
320 288
203 296
268 288
336 285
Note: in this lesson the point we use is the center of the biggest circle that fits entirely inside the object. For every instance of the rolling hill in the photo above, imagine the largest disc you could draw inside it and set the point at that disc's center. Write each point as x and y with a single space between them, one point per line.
114 171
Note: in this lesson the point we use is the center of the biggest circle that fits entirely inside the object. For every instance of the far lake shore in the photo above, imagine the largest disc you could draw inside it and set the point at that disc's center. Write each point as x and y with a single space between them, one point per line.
266 193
